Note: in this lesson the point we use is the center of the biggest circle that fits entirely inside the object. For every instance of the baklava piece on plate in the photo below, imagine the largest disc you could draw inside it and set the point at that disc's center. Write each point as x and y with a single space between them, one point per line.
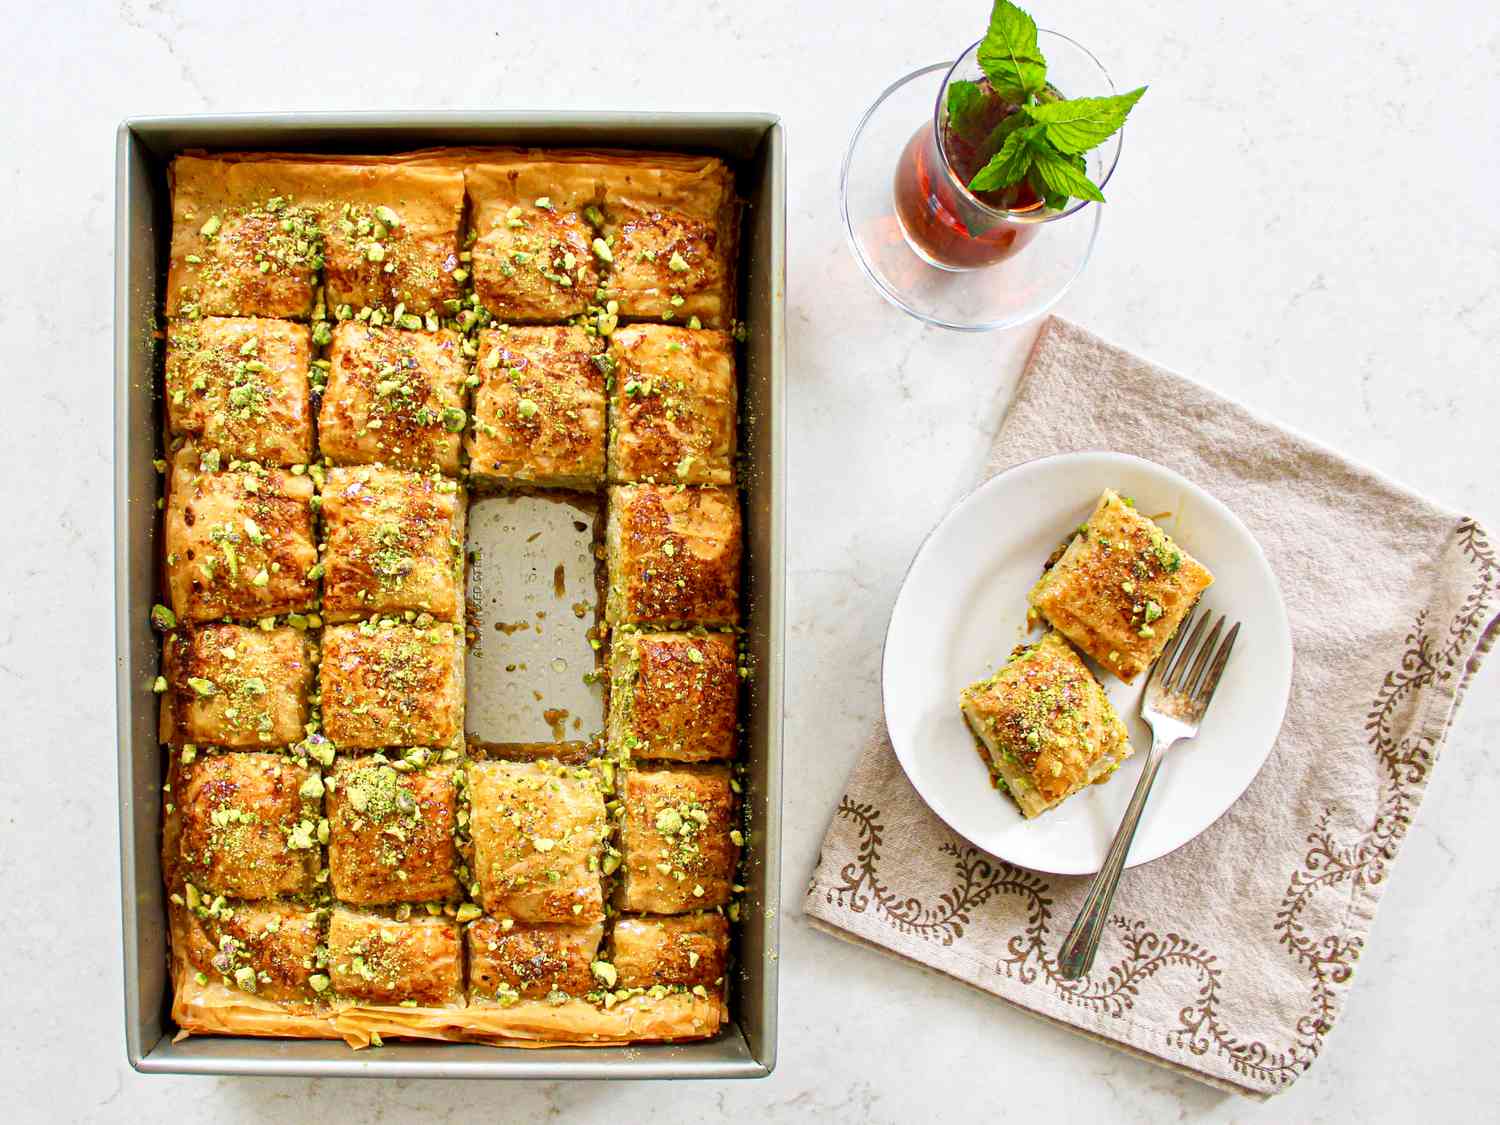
1046 725
416 961
533 254
670 226
1120 588
385 682
236 685
672 417
242 824
537 830
684 950
394 397
240 386
538 409
511 961
672 696
395 542
391 833
674 555
247 238
239 539
391 238
679 839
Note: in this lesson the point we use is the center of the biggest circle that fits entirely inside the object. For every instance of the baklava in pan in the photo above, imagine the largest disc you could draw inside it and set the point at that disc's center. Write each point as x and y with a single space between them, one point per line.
672 411
538 408
354 346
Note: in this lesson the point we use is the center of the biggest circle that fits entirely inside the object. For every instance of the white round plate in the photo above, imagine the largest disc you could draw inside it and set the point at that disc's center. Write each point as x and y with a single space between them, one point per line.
962 608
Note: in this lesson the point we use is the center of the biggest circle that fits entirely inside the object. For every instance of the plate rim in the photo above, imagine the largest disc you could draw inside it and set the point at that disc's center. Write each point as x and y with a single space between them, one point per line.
1082 454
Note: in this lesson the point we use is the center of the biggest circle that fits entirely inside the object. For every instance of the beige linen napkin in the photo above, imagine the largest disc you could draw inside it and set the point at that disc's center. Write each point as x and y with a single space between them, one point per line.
1228 959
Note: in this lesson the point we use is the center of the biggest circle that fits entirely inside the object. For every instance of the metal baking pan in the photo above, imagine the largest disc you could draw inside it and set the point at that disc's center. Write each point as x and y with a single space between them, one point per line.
755 146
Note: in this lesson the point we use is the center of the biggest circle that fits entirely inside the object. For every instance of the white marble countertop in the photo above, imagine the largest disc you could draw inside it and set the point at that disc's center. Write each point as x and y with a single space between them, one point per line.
1302 218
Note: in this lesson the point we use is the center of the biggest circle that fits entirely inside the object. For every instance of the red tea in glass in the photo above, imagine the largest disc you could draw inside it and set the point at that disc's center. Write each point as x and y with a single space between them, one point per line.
945 223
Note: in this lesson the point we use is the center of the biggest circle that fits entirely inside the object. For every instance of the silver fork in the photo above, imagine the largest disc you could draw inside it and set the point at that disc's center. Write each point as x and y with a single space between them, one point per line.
1181 686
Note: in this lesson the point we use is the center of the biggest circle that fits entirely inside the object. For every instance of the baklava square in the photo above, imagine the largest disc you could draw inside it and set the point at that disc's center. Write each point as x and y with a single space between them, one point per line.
267 949
679 838
674 555
244 824
670 224
1046 725
538 408
235 685
1120 588
683 950
391 237
373 959
240 386
533 254
239 539
391 833
386 682
395 542
672 409
511 961
394 397
537 831
672 696
247 239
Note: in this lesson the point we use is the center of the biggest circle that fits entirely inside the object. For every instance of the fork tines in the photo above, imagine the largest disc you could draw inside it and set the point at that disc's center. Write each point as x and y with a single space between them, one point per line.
1190 668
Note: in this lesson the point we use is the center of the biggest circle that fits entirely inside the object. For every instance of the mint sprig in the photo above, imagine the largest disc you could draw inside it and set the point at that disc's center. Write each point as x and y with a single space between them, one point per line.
1044 139
1080 124
1009 56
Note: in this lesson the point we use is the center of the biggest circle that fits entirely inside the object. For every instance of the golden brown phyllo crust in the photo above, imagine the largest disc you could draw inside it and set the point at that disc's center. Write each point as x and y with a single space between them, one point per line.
239 386
538 830
674 555
672 412
247 238
235 685
673 696
239 539
1046 725
511 960
680 839
1120 589
538 408
266 949
352 343
690 950
395 542
391 833
242 825
375 959
385 682
672 230
394 397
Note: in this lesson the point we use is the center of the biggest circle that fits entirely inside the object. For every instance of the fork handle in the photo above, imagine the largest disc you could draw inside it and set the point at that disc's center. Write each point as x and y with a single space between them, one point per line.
1077 953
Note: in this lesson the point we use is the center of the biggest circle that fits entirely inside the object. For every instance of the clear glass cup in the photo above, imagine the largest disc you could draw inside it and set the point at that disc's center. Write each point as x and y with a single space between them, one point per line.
946 224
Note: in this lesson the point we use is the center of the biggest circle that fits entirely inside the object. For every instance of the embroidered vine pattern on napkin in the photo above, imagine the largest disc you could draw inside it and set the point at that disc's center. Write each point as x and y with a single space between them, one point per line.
1428 658
978 878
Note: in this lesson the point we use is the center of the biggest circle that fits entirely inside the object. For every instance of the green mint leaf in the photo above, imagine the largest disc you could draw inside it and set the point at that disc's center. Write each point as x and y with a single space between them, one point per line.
1009 56
1080 124
1059 175
1009 165
967 106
